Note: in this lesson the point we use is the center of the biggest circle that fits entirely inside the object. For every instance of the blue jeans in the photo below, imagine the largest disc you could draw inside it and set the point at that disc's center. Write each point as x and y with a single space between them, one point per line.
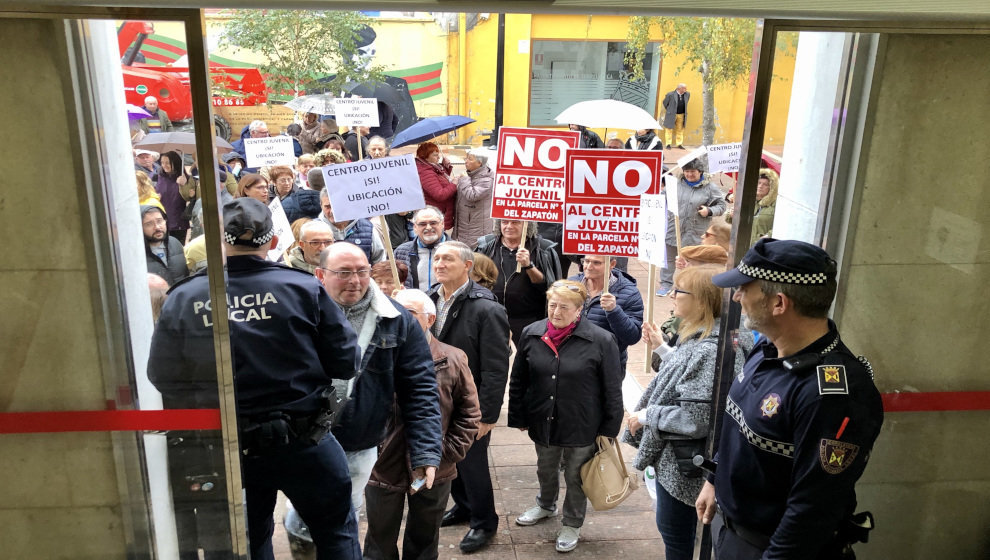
677 523
316 479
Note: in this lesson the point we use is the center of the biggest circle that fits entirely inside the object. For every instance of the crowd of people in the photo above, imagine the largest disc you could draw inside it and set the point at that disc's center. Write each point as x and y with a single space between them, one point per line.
356 391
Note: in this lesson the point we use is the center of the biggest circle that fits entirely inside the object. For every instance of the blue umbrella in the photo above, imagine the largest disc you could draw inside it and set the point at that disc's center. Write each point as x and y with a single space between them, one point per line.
428 129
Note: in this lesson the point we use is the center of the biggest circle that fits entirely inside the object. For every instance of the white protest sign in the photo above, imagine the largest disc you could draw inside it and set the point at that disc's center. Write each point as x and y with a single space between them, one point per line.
670 189
282 229
653 229
263 152
692 155
374 187
724 158
356 111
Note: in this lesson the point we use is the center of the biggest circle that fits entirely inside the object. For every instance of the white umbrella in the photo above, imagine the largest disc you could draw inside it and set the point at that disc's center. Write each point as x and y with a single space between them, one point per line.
319 103
608 113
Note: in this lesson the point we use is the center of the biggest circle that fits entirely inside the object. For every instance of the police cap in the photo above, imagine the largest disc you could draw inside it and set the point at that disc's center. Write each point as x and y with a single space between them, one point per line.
243 215
780 260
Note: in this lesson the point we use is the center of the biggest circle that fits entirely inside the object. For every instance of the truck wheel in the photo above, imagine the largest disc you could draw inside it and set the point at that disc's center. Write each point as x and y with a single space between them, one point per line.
222 127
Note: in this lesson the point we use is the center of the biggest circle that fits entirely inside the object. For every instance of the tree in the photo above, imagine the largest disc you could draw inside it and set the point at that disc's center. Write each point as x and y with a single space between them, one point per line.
721 49
301 47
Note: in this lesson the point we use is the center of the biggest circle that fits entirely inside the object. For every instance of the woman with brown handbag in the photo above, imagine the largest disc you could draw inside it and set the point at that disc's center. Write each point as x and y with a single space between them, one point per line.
565 390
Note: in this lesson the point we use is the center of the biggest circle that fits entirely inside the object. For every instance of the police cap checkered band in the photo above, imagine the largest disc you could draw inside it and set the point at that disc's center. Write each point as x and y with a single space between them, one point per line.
247 215
780 260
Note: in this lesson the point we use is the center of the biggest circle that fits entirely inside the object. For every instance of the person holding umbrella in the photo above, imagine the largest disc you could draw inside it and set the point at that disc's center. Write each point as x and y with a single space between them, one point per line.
174 185
434 174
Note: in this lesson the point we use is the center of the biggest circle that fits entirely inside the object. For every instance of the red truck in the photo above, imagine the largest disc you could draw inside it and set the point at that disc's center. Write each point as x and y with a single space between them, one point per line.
231 86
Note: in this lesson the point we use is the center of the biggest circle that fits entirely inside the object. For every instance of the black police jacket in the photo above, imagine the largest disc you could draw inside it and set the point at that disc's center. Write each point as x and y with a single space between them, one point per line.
795 442
477 324
287 339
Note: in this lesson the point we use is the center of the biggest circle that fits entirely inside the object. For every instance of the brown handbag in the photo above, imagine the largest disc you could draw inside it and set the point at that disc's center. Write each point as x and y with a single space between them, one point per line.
604 478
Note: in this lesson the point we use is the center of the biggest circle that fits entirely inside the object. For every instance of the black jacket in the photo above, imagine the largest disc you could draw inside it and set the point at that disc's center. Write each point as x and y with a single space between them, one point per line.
477 324
541 250
567 401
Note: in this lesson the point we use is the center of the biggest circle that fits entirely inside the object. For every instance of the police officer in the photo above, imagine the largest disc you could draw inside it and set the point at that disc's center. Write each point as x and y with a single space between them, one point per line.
288 339
800 419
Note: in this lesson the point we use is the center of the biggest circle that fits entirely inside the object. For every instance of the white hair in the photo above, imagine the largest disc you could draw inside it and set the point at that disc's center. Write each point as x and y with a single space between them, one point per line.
480 155
417 296
313 225
151 98
255 125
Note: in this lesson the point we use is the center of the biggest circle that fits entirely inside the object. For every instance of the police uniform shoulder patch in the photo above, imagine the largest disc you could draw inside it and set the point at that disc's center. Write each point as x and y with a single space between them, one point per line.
835 456
832 380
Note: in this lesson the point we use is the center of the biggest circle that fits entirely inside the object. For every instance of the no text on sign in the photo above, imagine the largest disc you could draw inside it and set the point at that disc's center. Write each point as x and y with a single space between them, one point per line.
373 187
602 199
356 111
529 173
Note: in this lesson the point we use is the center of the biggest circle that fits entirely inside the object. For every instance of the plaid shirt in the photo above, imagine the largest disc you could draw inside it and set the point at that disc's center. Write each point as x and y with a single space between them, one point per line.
443 305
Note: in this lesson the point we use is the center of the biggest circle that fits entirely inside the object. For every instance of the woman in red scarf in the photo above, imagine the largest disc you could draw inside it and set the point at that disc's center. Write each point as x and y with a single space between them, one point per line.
565 390
434 174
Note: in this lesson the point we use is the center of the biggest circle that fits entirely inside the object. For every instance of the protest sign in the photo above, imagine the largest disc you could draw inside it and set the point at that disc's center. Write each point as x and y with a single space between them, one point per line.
282 229
373 187
356 111
670 190
653 229
601 199
529 173
724 158
275 150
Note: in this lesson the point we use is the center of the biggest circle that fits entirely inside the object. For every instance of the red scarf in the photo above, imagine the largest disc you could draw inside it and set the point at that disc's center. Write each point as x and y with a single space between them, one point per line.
555 337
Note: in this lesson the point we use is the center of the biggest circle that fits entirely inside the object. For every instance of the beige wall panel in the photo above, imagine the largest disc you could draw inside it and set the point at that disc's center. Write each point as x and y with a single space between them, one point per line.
58 470
914 296
93 533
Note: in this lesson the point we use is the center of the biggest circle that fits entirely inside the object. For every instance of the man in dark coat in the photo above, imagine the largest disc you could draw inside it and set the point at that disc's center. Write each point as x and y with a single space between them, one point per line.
395 365
470 318
675 106
589 138
162 252
158 121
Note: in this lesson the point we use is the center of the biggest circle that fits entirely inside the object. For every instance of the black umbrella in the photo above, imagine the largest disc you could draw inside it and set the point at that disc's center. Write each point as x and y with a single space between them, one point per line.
379 90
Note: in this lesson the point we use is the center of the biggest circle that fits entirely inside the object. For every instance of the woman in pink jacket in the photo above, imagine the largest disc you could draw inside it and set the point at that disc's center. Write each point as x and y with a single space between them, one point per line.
434 174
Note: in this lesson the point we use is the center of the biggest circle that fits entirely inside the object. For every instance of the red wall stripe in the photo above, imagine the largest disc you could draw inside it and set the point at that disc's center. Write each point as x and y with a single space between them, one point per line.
109 421
424 89
432 75
209 419
936 402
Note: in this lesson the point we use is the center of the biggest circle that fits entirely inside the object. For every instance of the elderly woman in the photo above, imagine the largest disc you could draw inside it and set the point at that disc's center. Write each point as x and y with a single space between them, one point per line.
565 390
281 182
474 199
381 273
672 417
644 140
698 201
254 186
766 204
484 272
434 174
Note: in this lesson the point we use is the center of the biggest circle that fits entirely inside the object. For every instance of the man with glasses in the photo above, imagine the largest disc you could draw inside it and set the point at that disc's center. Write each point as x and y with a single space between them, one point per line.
418 253
162 252
620 311
314 237
470 318
288 340
395 360
256 129
360 232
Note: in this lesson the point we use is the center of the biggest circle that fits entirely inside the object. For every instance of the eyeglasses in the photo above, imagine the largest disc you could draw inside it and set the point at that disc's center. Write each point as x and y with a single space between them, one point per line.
434 223
319 242
681 292
346 274
157 222
284 181
560 284
259 186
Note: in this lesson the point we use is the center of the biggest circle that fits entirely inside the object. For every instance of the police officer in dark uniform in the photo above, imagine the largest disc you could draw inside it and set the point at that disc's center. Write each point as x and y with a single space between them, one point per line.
288 339
800 420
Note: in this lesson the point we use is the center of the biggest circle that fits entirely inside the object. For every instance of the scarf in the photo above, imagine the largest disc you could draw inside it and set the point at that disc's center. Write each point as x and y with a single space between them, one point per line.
357 312
700 180
555 337
436 166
